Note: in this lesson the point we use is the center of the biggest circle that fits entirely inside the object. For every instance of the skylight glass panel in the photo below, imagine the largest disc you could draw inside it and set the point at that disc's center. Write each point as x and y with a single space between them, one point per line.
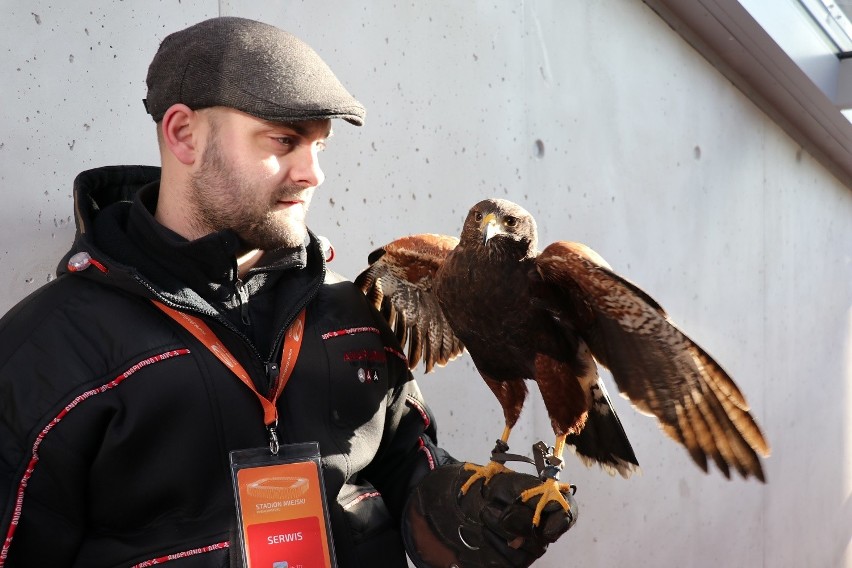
835 20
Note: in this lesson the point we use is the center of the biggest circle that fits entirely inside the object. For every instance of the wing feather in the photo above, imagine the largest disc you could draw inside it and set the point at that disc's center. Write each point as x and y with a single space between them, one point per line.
655 365
399 283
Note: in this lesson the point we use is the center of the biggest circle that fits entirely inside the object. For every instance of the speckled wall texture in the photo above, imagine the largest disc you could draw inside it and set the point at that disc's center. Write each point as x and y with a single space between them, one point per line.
604 124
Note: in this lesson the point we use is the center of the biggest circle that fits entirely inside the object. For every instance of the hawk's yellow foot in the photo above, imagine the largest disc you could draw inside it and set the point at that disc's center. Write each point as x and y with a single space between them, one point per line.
485 472
550 490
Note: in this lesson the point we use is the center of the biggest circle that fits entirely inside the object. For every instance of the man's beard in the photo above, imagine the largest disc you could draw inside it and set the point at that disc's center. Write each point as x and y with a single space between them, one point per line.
224 200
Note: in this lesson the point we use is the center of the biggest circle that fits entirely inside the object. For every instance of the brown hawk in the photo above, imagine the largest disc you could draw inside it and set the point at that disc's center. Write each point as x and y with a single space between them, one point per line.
548 317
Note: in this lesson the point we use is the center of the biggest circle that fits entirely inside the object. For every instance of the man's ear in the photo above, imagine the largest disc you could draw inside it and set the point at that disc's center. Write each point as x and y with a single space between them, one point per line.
180 129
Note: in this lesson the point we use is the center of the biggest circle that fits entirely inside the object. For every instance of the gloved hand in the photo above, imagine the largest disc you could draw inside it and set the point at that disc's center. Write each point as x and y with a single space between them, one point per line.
487 527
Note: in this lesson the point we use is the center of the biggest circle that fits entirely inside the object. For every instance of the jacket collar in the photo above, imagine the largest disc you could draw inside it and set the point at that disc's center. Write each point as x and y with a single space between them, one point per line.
203 264
115 224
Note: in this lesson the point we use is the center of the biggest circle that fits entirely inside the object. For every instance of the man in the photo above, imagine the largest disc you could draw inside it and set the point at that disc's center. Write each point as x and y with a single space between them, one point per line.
193 318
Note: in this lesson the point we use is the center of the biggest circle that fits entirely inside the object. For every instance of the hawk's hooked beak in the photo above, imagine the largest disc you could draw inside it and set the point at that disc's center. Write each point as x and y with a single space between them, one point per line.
489 227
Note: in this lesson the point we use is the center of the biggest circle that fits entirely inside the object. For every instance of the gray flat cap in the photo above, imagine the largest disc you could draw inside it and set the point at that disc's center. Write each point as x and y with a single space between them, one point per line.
250 66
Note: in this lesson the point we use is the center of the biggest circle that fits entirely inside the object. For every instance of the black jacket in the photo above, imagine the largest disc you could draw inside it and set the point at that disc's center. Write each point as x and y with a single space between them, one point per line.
116 424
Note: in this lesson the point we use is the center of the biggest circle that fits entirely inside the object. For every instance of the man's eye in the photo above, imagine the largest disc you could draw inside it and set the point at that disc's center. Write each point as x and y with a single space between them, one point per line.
285 140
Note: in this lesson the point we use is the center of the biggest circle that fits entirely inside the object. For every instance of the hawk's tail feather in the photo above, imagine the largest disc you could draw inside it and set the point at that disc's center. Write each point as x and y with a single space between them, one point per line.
603 440
615 466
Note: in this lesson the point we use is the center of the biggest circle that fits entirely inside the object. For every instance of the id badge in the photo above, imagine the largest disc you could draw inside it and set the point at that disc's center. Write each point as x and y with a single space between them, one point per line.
281 507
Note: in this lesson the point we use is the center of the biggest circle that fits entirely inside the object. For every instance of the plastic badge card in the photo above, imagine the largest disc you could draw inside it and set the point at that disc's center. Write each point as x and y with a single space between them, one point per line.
281 507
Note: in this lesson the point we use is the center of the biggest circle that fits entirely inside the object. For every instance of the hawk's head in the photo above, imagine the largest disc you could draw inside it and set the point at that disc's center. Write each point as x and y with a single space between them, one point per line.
500 224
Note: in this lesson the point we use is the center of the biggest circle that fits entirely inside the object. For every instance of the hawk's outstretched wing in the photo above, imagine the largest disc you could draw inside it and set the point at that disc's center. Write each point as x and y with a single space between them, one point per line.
660 370
399 283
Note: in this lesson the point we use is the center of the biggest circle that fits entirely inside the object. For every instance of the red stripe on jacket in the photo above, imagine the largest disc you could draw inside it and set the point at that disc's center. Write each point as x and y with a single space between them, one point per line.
22 486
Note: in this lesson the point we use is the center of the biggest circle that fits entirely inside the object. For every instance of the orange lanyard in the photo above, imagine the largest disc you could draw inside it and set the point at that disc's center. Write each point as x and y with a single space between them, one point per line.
289 354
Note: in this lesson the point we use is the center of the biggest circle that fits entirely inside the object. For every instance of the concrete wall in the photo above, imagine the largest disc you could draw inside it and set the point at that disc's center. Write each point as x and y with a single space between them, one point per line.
649 156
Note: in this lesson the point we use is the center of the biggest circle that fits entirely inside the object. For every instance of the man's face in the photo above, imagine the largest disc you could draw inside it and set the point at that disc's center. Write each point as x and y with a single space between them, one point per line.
257 178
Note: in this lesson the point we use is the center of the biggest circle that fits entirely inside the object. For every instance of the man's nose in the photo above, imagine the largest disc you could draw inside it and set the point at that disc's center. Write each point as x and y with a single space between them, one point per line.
305 169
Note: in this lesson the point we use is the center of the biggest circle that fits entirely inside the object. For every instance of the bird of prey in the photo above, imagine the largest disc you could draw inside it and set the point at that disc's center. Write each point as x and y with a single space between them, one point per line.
548 317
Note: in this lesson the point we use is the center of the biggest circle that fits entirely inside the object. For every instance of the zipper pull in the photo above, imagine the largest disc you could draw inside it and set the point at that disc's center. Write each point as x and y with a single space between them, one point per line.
272 376
243 297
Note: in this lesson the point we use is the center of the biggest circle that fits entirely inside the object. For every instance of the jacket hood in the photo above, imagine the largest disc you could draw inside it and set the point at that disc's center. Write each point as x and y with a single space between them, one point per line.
94 191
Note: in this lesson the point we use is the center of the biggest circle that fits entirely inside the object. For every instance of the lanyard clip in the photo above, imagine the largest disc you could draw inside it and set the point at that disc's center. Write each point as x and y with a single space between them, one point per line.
273 438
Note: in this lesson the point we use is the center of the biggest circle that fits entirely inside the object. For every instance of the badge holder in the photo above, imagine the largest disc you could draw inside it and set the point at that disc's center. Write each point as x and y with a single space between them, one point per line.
281 507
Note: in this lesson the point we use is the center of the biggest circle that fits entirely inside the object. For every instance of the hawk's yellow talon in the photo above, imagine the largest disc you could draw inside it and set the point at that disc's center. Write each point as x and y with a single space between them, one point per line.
550 490
485 472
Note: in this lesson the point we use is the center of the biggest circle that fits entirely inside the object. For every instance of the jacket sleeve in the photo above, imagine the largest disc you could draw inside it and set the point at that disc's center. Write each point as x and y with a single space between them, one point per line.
409 448
42 474
44 512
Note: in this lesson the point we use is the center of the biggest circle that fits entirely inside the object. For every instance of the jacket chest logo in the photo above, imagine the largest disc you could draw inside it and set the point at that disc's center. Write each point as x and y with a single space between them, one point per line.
366 362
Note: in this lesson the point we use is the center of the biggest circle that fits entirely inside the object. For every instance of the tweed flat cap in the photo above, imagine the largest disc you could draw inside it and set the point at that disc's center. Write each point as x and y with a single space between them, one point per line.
250 66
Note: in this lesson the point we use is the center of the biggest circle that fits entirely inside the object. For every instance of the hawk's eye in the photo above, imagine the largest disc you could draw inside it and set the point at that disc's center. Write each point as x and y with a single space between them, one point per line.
510 221
477 216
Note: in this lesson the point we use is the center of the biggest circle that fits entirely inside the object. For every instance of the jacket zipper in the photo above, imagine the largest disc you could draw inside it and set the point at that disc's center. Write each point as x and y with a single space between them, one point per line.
243 300
270 364
212 315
